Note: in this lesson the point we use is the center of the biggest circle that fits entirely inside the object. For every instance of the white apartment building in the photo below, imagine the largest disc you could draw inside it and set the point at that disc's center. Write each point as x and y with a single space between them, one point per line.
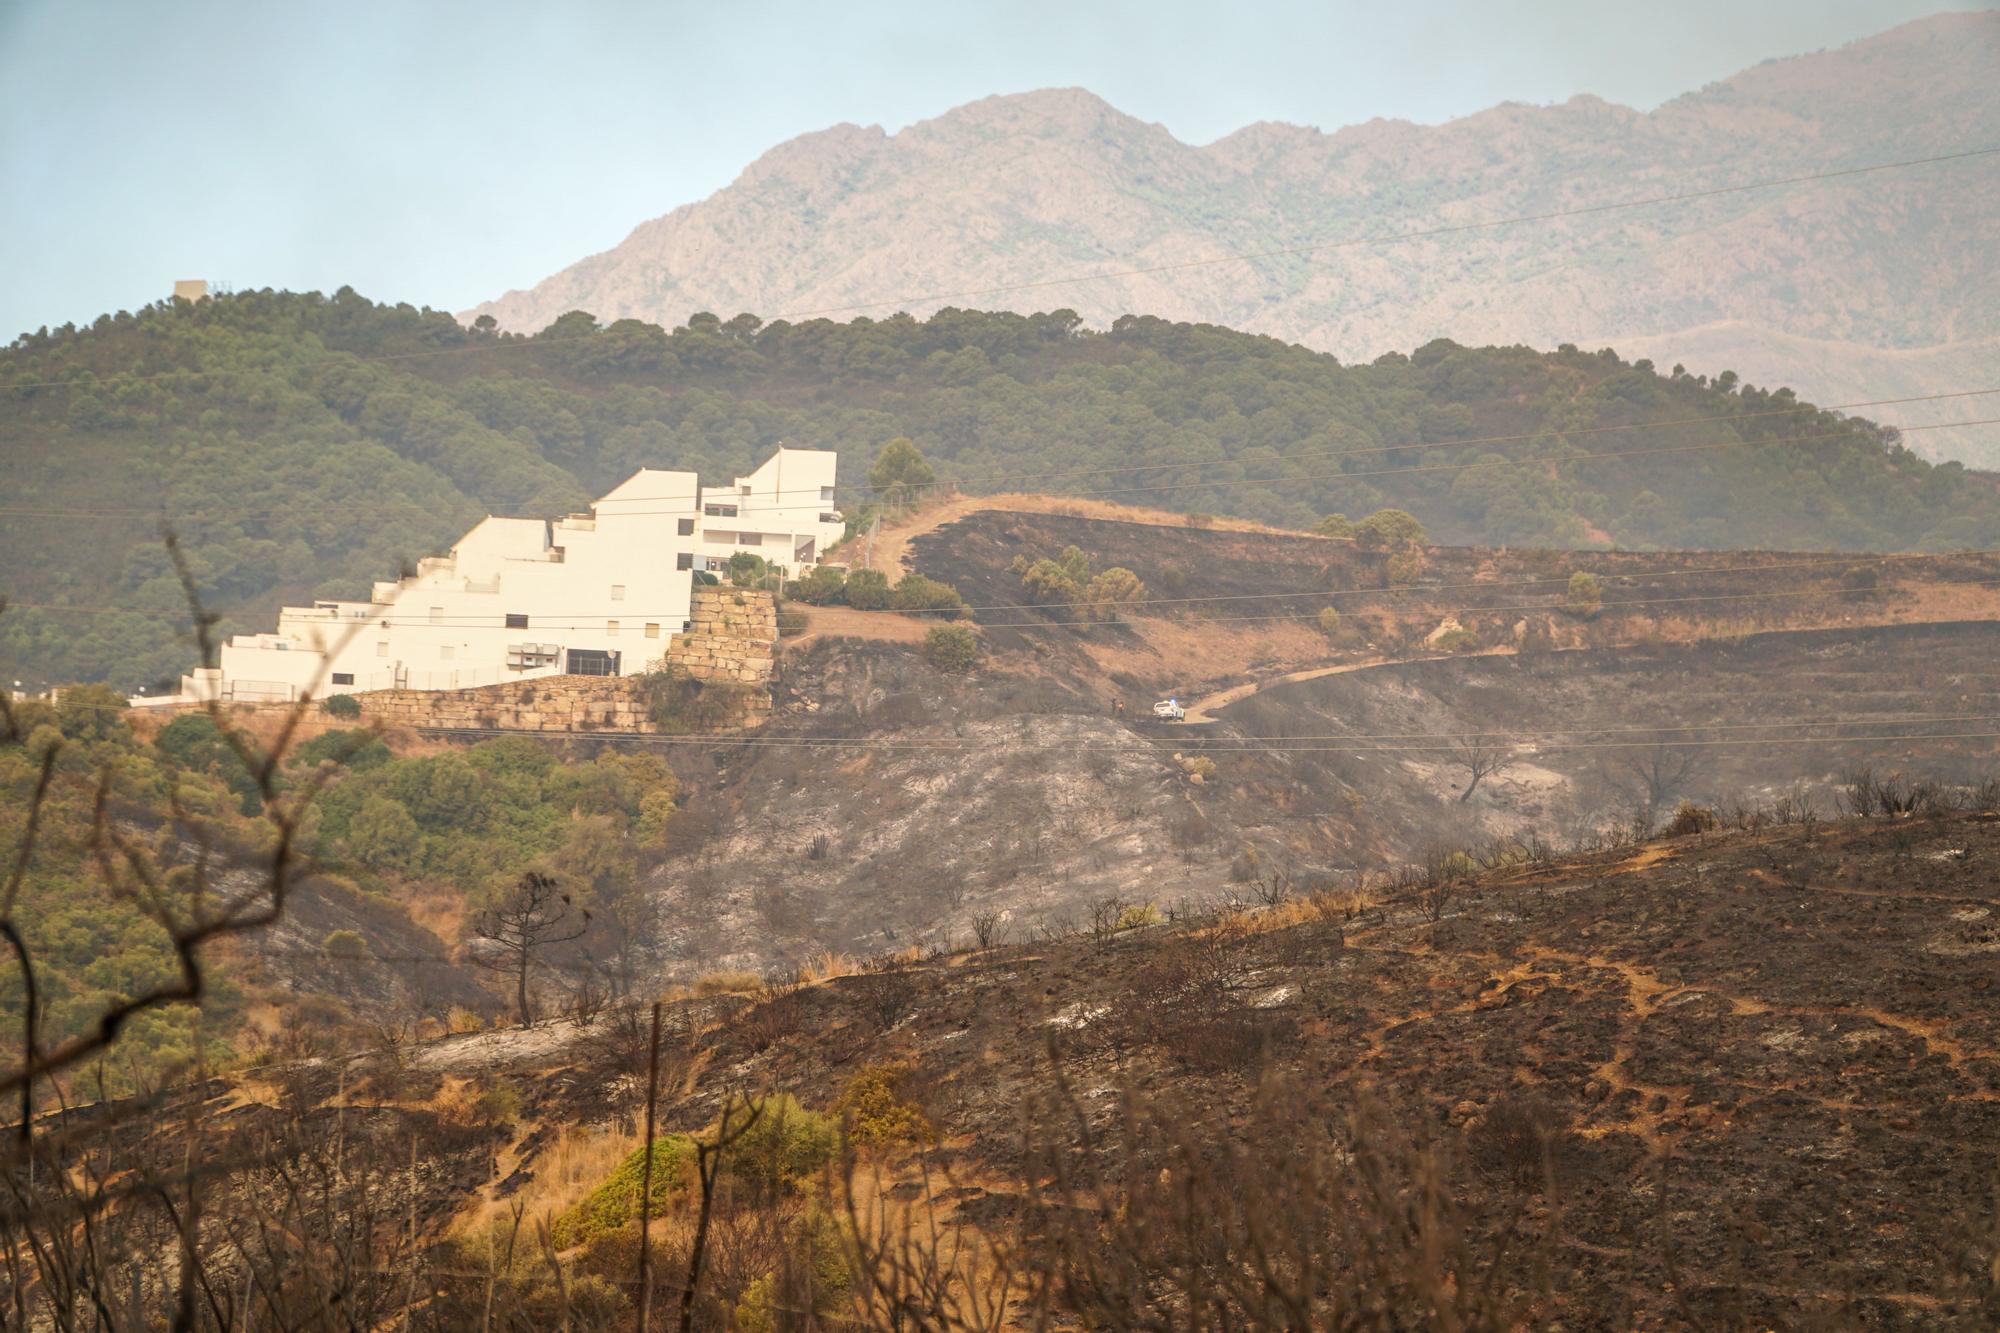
783 511
597 593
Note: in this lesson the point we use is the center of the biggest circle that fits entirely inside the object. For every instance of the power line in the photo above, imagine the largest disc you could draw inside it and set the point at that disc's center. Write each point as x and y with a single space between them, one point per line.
1266 748
1240 257
1361 742
390 619
1045 622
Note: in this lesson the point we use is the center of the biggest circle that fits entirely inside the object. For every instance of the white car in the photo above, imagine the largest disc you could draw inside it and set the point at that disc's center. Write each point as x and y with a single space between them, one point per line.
1169 710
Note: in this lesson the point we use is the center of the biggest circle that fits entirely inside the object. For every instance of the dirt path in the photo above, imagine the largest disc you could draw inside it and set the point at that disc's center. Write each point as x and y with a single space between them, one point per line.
836 622
1205 708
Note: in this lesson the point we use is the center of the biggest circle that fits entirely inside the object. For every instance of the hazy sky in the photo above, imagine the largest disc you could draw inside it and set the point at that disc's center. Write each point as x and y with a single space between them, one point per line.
441 152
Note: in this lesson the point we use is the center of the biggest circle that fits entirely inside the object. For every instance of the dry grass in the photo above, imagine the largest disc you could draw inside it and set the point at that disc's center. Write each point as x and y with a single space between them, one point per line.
439 908
906 1221
825 965
727 983
576 1163
1308 909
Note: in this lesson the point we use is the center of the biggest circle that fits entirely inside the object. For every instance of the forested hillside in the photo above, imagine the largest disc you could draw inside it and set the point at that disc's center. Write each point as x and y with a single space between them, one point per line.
304 445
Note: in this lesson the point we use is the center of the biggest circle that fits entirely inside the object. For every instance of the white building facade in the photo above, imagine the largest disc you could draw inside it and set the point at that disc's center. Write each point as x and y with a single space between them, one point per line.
598 593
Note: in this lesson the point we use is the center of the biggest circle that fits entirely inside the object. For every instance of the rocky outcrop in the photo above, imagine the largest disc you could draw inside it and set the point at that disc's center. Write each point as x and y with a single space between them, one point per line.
734 637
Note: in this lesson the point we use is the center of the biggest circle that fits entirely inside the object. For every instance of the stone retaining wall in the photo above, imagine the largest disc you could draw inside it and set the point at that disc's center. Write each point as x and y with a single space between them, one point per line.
732 644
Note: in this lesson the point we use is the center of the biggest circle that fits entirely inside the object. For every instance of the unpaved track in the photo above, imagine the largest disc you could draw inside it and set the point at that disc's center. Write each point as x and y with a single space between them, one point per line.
1205 708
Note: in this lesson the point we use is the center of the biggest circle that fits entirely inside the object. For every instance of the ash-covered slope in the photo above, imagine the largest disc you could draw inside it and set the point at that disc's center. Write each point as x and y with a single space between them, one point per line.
1847 288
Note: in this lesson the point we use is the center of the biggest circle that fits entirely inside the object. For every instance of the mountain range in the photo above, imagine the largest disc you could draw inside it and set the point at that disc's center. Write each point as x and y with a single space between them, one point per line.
1853 288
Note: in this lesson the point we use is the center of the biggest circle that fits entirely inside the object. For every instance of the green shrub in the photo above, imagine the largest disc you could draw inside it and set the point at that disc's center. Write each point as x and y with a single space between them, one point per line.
1335 525
821 585
900 473
953 648
1134 915
1404 568
914 592
1329 623
791 621
747 569
785 1147
1457 641
354 750
1585 596
616 1201
868 590
875 1112
1114 588
1389 529
348 946
1199 768
679 704
341 705
1048 584
499 1104
819 1253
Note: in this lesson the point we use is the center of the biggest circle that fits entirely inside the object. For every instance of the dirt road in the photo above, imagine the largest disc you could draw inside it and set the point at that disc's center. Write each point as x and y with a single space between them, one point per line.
1205 708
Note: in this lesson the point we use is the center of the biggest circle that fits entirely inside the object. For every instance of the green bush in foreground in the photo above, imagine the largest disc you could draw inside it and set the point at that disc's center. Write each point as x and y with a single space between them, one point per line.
875 1112
784 1147
616 1202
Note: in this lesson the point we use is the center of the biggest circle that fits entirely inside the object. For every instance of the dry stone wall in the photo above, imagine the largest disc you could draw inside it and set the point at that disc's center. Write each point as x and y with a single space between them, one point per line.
731 643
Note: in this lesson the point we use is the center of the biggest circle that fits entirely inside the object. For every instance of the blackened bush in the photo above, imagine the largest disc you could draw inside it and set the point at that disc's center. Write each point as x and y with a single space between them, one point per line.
1691 818
1524 1139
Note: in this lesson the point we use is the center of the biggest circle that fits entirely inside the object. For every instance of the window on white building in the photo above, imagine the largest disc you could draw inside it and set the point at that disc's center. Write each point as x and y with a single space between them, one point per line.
746 490
610 627
719 511
617 592
652 629
716 564
685 560
826 495
685 527
343 677
749 539
515 620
